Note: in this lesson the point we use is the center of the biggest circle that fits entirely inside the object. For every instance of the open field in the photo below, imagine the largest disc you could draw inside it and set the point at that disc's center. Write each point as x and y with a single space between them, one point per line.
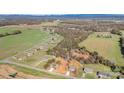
106 47
11 45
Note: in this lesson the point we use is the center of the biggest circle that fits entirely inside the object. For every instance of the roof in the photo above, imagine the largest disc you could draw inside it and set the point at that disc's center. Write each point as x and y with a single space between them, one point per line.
72 68
88 70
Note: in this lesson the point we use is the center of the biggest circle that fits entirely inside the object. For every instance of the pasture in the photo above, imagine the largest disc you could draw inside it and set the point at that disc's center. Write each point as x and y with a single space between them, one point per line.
11 45
106 47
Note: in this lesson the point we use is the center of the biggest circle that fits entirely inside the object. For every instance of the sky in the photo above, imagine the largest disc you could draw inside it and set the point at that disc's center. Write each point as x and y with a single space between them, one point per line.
61 6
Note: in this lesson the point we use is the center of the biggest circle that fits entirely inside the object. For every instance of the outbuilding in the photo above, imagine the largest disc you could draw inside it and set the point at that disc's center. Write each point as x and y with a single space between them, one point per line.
87 70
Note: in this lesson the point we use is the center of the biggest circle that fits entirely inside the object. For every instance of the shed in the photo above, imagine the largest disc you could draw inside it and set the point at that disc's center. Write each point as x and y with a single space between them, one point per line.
88 70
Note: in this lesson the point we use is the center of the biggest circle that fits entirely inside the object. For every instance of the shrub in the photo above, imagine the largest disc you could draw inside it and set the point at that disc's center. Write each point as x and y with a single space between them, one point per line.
1 35
13 75
115 68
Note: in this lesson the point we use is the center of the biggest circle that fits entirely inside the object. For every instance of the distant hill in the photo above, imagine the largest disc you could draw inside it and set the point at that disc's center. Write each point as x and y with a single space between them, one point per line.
63 17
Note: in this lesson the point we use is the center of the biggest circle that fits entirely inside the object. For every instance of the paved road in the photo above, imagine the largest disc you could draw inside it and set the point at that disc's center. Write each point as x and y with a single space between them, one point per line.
34 68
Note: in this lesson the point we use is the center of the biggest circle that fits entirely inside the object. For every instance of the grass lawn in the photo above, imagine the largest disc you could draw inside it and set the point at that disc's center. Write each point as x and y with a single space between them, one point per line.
106 47
98 67
90 76
11 45
38 73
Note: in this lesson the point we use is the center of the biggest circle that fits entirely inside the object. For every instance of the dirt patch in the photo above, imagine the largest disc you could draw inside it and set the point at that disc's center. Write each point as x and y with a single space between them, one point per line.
78 54
6 71
63 66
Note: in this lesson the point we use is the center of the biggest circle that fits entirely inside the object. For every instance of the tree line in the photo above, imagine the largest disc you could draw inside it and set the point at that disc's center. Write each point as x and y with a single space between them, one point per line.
11 33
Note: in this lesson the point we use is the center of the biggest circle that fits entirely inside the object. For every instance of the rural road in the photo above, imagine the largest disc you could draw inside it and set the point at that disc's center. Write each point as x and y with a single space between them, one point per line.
34 68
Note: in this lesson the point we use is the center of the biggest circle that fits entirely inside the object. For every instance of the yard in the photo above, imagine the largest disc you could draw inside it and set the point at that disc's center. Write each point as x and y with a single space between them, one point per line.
106 47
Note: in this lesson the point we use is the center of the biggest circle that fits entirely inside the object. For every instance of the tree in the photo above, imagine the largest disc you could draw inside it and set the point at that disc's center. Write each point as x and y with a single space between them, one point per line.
13 75
83 48
115 31
1 35
115 68
16 32
95 53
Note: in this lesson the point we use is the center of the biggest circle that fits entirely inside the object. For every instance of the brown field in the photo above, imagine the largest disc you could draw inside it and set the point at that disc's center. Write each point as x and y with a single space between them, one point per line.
5 70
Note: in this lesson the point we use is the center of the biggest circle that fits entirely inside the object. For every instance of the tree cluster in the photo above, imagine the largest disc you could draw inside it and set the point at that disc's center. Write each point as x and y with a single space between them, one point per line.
12 33
116 32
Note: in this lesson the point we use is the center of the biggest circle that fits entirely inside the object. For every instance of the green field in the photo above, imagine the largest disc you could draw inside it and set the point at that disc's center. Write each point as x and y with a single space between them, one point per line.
106 47
13 44
98 67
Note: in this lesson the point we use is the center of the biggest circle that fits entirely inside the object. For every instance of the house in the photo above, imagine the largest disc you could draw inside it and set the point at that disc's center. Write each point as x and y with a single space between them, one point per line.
72 69
103 75
88 70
